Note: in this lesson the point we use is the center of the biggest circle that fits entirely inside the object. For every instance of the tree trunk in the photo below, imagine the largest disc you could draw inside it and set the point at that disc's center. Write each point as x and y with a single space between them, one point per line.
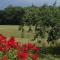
19 28
30 29
22 29
35 27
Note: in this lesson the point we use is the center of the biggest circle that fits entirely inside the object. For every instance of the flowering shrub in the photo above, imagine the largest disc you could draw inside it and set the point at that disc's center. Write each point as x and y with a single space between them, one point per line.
12 50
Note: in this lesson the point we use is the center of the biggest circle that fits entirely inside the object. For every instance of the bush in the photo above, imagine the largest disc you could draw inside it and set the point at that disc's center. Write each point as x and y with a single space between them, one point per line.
12 50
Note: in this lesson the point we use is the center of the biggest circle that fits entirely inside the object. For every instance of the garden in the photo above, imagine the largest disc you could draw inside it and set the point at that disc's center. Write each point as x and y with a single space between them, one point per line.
30 33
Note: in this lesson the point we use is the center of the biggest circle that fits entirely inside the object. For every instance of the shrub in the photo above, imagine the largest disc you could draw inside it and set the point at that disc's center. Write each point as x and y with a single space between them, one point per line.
10 49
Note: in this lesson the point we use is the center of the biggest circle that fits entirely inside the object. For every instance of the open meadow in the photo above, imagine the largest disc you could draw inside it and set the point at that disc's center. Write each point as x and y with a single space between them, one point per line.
12 30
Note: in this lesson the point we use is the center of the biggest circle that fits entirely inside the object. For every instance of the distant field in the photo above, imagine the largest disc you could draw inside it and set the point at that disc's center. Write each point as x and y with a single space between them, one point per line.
12 30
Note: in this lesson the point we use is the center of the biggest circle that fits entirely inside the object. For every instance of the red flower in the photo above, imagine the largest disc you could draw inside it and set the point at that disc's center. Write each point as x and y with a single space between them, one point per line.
22 55
5 49
17 46
36 49
11 42
30 45
4 42
24 47
1 48
34 56
4 57
2 37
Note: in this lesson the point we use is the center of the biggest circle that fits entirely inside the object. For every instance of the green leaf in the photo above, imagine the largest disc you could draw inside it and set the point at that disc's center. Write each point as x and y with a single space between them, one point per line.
1 54
11 54
29 58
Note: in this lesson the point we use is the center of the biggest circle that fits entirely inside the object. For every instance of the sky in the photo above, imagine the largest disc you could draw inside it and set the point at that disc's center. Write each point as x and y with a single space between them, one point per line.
5 3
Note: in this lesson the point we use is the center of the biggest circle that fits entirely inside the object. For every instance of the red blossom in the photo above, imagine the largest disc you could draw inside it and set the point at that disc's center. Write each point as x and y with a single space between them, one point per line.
30 45
22 55
22 49
11 42
2 37
4 57
36 49
1 48
34 56
18 46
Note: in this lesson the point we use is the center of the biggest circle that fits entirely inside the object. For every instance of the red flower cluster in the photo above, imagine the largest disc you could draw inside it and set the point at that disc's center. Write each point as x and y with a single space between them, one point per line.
4 58
34 56
22 56
22 49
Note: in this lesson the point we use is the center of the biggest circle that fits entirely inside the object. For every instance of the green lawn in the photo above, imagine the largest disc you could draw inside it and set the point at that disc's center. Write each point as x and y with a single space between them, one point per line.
12 30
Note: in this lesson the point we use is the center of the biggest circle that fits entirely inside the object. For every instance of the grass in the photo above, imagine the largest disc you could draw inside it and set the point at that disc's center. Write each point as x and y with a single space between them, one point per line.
9 30
12 30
